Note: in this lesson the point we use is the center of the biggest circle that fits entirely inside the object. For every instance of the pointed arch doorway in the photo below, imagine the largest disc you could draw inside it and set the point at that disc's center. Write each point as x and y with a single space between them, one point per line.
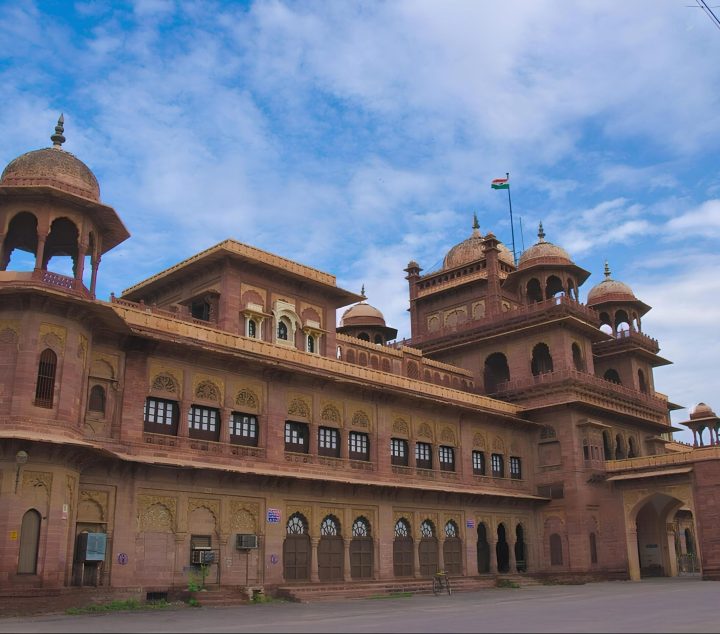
656 525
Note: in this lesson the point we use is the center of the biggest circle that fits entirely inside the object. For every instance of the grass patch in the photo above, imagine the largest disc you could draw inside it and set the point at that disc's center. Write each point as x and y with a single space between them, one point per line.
506 583
119 606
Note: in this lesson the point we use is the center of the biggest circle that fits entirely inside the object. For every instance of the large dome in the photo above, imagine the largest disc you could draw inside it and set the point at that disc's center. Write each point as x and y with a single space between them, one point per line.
471 249
543 252
362 314
610 290
52 167
701 410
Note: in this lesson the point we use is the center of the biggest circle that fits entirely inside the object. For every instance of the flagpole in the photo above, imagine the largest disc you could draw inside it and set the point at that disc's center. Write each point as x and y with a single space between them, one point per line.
512 226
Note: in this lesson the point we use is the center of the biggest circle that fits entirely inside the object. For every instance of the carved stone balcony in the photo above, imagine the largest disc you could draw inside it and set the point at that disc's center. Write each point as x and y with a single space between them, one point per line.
539 312
44 278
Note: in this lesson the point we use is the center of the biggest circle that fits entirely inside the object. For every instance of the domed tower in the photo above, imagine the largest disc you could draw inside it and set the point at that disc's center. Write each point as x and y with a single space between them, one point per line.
618 307
630 356
702 417
367 323
50 206
544 271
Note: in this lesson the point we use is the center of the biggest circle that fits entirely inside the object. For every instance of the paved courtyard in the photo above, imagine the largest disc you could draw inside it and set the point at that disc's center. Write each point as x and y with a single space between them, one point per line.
655 605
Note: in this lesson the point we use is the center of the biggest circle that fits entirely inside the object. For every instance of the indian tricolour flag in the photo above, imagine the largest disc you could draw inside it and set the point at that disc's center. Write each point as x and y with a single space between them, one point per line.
500 183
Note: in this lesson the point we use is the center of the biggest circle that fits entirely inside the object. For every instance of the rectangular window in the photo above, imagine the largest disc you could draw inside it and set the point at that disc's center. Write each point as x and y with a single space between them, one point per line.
478 459
359 446
161 416
515 468
329 442
296 437
204 422
423 455
399 452
498 466
447 458
243 429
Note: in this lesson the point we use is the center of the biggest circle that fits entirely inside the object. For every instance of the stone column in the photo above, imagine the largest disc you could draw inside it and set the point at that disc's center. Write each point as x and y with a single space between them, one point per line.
183 425
314 576
632 550
80 262
3 263
347 570
441 554
672 555
225 416
493 557
416 558
512 563
93 280
40 253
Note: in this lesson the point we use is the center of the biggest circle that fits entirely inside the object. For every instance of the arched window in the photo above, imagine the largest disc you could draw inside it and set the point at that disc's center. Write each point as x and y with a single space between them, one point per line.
427 529
297 525
554 287
96 401
496 371
520 549
451 529
29 542
619 447
641 382
578 360
364 336
282 330
339 353
252 328
402 528
541 360
607 445
311 344
632 449
612 376
556 554
534 291
361 528
379 339
330 527
605 324
45 387
403 550
622 323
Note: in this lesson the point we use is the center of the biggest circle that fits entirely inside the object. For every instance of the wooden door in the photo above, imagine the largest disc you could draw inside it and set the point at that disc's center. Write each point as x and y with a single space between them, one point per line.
452 555
331 556
428 552
296 558
29 541
361 558
403 556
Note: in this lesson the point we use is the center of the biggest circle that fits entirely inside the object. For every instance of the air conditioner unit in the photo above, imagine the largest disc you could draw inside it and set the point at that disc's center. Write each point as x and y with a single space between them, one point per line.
202 555
246 542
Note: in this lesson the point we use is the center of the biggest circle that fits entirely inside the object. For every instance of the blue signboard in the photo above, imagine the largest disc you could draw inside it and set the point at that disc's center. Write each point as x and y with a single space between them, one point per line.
273 516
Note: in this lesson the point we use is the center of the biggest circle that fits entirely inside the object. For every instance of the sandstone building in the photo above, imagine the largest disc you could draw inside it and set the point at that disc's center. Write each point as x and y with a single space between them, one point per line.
215 414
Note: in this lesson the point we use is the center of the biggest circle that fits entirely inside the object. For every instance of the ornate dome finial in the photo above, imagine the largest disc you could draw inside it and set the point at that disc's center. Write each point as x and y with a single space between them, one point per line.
476 226
607 269
541 233
58 139
362 292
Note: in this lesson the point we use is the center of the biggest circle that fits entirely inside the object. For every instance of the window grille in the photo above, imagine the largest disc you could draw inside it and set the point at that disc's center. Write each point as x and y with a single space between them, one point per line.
478 460
399 452
45 388
359 445
243 429
498 467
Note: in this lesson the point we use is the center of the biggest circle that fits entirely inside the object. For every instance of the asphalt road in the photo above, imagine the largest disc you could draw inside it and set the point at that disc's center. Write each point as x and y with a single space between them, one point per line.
654 605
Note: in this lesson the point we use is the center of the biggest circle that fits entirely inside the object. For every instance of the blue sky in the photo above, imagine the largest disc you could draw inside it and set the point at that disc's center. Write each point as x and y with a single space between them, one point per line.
355 136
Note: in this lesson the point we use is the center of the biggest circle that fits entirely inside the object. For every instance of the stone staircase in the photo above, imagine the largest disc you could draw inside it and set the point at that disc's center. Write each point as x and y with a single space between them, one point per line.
388 588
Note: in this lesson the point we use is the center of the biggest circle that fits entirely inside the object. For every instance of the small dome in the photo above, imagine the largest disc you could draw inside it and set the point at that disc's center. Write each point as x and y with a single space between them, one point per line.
472 249
362 314
543 253
701 410
52 167
610 290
